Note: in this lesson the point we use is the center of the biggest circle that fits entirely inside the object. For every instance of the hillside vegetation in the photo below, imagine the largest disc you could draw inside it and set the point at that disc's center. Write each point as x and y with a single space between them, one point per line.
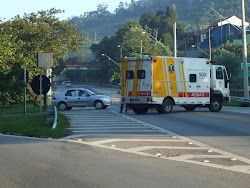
99 23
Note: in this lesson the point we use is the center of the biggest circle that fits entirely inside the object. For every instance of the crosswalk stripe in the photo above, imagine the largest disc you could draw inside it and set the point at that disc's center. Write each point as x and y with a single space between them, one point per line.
88 123
113 128
116 131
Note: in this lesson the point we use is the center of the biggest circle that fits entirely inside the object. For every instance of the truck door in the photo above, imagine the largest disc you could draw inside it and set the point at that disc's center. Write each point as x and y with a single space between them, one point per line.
198 87
221 81
144 82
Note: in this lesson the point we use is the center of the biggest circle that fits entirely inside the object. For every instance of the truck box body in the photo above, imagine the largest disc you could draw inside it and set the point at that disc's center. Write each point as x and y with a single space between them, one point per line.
149 80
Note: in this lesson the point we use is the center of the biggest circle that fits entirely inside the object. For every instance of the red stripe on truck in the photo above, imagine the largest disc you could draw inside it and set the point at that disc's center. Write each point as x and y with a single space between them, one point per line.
195 94
140 93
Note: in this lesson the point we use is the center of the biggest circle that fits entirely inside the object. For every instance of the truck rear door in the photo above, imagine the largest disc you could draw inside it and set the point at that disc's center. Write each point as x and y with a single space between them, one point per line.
136 85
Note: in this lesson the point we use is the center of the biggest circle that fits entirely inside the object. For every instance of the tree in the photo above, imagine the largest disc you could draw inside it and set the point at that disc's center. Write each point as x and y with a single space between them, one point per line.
10 68
231 61
133 38
41 32
161 25
171 13
231 47
102 8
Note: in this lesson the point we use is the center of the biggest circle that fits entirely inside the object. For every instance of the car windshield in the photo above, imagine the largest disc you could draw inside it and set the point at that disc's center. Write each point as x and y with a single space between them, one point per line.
90 92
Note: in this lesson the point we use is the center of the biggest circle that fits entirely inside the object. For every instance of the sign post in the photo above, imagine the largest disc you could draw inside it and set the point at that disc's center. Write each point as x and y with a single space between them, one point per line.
41 91
44 62
24 73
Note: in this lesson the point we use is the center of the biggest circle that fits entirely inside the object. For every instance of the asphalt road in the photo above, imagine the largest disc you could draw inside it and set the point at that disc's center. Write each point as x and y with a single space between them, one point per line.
118 160
29 162
228 130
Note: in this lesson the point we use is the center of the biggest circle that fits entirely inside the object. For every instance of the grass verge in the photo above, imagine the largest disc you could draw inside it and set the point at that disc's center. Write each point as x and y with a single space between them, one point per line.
19 109
32 125
233 103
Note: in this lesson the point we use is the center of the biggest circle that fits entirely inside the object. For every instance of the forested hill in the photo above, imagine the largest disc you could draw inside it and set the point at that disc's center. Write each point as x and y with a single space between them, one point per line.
100 23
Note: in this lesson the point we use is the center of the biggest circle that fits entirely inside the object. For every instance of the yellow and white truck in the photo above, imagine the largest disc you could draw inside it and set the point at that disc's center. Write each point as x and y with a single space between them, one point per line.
160 82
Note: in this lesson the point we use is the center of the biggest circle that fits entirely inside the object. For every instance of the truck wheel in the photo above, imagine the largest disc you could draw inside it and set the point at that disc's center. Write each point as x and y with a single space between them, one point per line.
140 110
166 107
215 105
189 107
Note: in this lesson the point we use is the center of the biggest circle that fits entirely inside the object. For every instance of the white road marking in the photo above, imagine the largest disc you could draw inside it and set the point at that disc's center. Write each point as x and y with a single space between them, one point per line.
172 137
238 168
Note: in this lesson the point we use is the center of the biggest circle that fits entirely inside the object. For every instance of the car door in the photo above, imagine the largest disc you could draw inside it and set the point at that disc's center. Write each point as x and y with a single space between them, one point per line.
71 98
83 98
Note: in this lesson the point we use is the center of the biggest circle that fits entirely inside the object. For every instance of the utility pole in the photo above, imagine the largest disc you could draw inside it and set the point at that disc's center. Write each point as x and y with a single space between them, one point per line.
210 55
175 45
244 53
141 47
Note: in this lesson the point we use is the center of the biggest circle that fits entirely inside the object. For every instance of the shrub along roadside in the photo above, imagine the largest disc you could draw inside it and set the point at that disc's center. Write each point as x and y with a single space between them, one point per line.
32 125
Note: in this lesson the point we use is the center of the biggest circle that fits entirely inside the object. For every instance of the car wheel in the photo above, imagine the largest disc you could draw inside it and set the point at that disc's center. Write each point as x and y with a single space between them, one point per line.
99 105
189 107
215 105
62 106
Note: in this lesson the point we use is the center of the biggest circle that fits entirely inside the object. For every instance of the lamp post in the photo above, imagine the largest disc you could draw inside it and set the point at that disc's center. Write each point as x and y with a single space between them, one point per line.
119 46
244 52
111 60
210 51
200 49
157 41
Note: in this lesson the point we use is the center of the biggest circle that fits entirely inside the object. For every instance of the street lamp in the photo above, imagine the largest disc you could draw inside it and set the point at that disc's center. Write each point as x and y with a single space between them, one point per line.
119 46
111 60
200 49
157 41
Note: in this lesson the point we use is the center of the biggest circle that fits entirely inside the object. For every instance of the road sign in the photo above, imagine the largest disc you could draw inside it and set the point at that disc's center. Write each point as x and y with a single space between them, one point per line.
44 60
248 67
35 84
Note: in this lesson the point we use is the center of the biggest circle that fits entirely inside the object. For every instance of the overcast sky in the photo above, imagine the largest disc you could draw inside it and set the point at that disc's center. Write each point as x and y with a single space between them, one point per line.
10 8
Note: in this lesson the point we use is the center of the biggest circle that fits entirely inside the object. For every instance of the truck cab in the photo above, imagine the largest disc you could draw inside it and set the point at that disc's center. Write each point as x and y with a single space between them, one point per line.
220 82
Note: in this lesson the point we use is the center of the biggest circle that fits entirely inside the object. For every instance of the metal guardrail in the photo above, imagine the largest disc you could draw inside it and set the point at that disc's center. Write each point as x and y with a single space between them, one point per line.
55 119
240 99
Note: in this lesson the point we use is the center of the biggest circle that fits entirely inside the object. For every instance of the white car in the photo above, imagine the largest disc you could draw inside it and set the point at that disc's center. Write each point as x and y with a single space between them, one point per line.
67 83
79 97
